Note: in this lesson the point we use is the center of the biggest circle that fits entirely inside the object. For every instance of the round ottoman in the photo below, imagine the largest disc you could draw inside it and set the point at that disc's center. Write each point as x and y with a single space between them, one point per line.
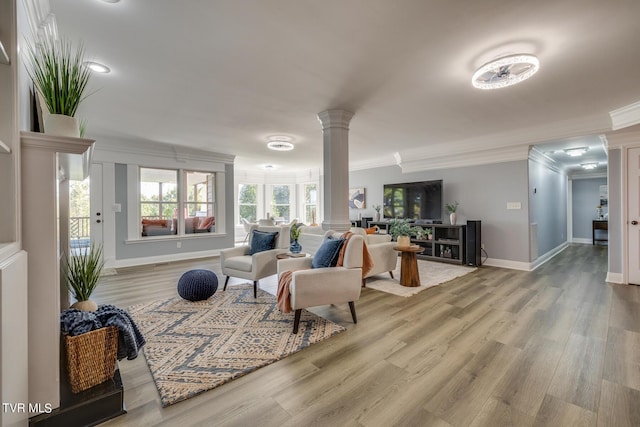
197 285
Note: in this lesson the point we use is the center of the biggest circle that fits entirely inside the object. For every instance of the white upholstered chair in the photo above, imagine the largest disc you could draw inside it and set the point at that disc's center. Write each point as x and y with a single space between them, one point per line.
237 262
380 247
321 286
248 226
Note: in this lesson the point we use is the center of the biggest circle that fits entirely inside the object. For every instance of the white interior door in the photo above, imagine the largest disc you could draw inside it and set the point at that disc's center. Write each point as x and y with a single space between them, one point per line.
633 214
97 214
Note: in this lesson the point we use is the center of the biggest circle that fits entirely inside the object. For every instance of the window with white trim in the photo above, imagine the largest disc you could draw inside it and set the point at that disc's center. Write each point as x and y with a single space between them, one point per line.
248 202
176 202
281 201
310 203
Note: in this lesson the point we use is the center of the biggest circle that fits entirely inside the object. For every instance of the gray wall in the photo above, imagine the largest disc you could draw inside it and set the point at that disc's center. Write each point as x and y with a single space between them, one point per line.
168 247
548 199
585 195
482 191
615 210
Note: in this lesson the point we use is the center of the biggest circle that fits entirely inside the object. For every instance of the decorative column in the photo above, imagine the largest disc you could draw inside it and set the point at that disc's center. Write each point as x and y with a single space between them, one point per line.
335 132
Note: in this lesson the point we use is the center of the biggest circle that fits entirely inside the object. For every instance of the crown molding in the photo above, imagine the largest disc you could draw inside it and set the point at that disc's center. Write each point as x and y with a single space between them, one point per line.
41 21
587 175
378 162
539 157
140 152
484 157
626 116
617 140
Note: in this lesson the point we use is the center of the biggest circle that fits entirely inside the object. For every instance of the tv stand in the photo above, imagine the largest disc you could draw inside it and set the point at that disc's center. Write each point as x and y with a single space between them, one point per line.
447 243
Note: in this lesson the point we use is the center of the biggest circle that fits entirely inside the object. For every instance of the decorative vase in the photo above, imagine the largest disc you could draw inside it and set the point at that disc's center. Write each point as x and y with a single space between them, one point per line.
404 241
61 125
295 247
453 218
377 217
87 305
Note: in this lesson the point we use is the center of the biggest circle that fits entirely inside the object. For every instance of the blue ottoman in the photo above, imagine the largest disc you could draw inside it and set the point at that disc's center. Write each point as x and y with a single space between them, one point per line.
197 285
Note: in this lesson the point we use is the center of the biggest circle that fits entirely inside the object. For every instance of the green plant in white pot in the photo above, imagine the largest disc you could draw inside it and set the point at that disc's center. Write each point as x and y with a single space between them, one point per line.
83 272
60 76
452 208
401 230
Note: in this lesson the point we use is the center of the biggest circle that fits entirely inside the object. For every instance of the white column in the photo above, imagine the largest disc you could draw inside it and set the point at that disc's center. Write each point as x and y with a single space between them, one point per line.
335 132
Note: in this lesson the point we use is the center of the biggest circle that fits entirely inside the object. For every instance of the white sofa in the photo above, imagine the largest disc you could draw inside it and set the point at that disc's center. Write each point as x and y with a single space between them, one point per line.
380 248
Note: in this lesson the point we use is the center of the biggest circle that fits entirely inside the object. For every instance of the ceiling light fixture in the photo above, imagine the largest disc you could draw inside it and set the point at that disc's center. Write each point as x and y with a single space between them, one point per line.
506 71
97 67
576 152
268 167
280 143
589 165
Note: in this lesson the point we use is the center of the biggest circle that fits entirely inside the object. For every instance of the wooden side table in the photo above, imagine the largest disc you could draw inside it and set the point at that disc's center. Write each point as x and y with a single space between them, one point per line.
409 275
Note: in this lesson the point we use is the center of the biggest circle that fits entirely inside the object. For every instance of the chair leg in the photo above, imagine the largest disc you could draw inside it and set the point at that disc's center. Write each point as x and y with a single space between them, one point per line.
391 273
296 320
255 289
225 283
352 306
364 282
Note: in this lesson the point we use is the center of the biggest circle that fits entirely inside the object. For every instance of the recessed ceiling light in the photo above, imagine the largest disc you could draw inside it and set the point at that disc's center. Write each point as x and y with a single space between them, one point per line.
269 167
589 165
280 143
506 71
576 152
97 67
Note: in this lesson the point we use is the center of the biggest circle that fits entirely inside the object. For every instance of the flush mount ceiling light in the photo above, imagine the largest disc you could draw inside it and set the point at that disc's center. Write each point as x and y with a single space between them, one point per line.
576 152
280 143
268 167
97 67
506 71
589 165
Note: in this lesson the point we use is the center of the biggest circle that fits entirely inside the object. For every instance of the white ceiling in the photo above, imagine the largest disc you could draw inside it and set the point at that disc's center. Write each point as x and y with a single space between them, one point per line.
225 75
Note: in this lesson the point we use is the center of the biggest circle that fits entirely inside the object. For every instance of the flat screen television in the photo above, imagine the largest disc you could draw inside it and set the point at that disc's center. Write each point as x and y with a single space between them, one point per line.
415 200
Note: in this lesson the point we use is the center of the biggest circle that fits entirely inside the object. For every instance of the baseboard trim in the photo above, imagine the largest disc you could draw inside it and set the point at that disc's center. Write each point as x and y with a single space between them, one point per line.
505 263
581 240
133 262
614 278
547 256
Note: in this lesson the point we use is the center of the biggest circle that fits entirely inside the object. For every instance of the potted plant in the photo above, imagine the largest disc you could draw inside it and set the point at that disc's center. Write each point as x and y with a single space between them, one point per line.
400 230
377 209
421 233
60 77
295 247
451 208
83 272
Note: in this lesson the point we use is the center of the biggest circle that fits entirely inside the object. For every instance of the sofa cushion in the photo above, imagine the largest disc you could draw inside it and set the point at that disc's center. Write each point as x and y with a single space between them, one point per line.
327 254
262 241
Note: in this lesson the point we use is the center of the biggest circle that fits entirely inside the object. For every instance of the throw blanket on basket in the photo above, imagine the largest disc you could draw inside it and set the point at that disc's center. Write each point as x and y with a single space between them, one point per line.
284 281
130 339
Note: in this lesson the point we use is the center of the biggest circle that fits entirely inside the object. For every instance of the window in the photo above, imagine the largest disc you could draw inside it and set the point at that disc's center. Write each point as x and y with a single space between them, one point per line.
199 213
310 203
248 201
169 198
281 202
158 201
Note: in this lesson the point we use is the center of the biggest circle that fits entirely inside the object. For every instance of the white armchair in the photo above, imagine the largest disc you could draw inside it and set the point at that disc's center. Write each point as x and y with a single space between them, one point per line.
237 262
321 286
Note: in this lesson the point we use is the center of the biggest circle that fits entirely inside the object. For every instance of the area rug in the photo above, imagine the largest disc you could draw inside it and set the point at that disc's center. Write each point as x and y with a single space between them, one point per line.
431 274
193 347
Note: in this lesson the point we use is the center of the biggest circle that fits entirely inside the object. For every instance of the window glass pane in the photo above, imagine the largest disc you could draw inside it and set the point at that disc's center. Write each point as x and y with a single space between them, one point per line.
158 201
310 203
281 194
248 202
199 203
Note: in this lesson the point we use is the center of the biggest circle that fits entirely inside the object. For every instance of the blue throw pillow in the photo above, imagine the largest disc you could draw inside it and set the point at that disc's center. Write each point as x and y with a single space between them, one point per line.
327 254
262 241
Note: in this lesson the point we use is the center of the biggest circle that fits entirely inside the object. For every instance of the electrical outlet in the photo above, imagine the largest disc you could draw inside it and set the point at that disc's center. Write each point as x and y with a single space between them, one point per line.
179 245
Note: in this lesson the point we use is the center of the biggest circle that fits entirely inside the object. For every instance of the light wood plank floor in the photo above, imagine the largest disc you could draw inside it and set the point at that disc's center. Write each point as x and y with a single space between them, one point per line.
554 347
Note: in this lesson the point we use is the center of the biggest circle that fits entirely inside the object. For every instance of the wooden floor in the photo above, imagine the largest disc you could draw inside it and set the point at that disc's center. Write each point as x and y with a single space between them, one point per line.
554 347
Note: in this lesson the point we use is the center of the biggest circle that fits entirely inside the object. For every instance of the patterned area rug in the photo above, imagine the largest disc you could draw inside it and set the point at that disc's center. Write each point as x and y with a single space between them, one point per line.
431 274
193 347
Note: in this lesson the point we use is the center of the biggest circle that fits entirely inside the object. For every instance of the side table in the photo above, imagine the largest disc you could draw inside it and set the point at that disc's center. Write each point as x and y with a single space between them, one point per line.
409 275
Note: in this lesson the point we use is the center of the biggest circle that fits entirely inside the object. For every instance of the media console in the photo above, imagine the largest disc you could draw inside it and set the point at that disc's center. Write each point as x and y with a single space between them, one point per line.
456 244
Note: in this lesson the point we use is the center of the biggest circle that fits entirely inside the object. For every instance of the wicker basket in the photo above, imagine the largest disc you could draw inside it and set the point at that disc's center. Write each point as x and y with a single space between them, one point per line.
91 357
